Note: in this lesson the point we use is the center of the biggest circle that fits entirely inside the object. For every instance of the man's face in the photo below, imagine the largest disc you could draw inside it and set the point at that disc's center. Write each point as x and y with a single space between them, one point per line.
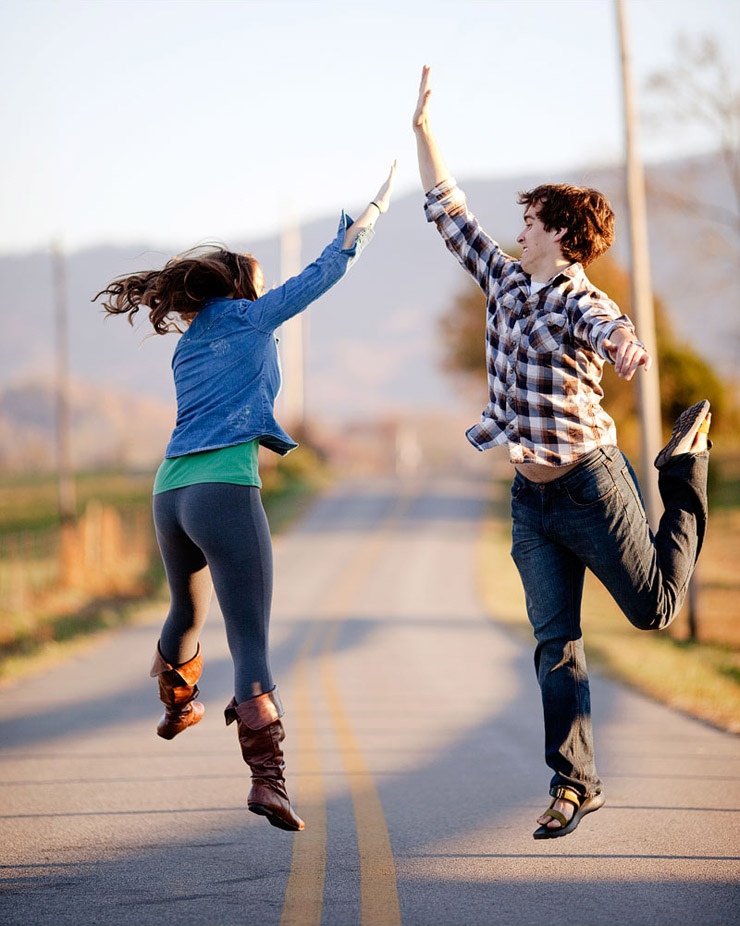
540 248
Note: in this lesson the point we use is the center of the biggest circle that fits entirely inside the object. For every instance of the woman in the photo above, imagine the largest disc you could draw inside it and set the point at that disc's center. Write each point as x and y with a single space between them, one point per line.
210 524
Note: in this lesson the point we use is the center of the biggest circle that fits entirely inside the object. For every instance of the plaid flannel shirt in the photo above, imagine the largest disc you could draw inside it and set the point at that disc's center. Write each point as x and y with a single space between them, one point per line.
544 351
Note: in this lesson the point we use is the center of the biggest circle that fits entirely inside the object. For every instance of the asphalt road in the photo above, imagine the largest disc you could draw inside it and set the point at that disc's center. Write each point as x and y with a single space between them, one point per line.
414 750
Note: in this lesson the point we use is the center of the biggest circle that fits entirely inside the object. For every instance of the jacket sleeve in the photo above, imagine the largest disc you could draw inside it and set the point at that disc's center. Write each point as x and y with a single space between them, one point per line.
278 305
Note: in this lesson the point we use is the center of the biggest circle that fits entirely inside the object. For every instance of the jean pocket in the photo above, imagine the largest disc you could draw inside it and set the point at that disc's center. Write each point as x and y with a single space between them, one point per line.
630 492
518 488
592 487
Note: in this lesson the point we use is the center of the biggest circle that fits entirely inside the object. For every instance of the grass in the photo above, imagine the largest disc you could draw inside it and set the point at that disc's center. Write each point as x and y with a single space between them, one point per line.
66 630
30 502
63 621
700 678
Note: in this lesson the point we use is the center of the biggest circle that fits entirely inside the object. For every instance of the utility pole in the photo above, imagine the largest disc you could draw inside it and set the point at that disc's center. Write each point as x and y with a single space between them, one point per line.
648 391
66 497
293 335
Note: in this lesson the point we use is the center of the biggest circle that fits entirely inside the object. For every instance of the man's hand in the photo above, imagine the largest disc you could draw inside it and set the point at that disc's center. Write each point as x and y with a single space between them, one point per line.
432 168
627 353
421 113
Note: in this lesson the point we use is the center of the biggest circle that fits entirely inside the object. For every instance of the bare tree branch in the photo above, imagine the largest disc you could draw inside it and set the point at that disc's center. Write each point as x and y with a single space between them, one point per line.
698 89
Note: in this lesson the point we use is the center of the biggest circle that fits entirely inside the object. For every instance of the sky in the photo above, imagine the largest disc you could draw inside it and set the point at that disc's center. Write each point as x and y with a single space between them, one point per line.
171 122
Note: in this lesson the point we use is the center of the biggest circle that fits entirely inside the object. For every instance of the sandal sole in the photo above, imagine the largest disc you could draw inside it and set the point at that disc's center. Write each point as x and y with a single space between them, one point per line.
684 431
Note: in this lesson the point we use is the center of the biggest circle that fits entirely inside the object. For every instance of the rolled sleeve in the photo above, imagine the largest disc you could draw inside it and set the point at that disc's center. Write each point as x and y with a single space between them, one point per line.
444 199
462 234
607 330
364 237
597 318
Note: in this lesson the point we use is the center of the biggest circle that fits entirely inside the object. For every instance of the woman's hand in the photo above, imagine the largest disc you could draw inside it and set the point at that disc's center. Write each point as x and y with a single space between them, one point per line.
376 206
382 198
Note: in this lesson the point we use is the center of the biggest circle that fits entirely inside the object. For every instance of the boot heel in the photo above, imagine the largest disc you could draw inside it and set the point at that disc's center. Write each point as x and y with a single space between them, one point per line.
261 732
264 811
170 724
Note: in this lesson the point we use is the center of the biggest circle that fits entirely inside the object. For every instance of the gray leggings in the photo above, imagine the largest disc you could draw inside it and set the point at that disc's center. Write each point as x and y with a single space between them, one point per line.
223 529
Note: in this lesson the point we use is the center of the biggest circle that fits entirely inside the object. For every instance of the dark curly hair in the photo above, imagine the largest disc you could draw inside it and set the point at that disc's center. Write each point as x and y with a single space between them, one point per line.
182 286
585 213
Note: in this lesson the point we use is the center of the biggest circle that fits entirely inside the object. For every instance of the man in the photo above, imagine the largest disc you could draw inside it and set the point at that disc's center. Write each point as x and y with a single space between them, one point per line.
575 500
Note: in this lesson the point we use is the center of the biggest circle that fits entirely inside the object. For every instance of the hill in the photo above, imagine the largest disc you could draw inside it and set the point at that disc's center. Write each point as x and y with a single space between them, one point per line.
373 341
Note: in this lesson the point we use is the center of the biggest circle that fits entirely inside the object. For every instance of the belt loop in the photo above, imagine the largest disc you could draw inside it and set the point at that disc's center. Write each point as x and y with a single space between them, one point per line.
609 461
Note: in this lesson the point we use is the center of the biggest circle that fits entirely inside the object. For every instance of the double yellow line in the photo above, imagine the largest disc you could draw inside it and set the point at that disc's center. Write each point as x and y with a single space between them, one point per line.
379 904
378 889
304 894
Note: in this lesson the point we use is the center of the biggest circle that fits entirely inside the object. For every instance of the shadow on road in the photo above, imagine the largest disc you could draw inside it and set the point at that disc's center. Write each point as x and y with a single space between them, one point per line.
218 865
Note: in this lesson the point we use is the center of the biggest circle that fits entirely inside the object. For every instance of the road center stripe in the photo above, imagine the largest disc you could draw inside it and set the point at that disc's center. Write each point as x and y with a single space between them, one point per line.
379 905
304 893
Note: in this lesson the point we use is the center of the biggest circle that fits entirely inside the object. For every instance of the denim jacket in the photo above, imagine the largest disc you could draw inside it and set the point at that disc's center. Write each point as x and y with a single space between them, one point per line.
226 365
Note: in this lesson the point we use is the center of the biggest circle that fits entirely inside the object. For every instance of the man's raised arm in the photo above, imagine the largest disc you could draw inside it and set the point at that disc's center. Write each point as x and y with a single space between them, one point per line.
432 167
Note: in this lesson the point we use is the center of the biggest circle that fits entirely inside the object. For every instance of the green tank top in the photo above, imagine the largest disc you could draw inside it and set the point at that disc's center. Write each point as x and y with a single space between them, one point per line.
237 465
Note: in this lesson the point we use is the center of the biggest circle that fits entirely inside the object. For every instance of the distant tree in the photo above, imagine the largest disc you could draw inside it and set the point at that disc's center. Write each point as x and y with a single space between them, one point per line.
697 88
462 330
684 376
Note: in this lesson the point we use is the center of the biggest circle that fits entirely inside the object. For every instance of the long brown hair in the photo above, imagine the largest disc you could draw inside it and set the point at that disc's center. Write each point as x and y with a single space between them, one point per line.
585 213
182 286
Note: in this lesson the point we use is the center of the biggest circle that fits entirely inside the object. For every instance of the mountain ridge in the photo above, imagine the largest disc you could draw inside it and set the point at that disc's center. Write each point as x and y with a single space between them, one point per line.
373 344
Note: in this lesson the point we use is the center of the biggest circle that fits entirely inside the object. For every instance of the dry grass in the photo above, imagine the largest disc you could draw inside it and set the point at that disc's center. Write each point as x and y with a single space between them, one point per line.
43 622
31 501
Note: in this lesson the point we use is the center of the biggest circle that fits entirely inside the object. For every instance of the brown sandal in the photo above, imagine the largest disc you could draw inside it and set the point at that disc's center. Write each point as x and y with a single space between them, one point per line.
582 807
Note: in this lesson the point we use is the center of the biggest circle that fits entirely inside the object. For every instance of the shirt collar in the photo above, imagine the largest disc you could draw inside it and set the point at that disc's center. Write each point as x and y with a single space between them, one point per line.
570 273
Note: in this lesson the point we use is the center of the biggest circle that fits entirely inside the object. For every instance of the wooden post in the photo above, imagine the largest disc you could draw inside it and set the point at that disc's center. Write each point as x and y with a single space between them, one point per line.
65 480
648 391
292 344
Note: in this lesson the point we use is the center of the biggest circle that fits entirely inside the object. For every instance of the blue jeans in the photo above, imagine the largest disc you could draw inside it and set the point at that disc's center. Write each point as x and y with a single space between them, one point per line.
593 517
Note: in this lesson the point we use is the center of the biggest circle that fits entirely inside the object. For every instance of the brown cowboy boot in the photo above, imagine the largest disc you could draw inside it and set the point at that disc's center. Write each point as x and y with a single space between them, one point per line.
260 734
178 691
